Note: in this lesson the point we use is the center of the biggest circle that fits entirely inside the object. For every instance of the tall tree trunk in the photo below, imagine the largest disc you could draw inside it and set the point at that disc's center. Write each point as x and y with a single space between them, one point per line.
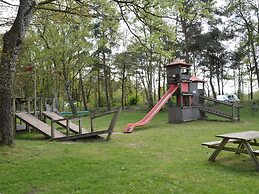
123 85
186 38
159 78
239 82
98 89
83 91
69 97
211 81
106 89
136 85
218 78
251 79
255 62
222 79
150 81
12 41
69 91
110 88
251 39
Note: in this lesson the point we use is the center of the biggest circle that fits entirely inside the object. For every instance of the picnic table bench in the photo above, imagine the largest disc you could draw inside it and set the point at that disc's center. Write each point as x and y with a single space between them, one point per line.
245 140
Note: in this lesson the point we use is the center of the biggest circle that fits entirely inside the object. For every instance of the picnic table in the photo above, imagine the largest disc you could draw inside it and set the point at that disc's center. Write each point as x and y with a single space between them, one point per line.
244 141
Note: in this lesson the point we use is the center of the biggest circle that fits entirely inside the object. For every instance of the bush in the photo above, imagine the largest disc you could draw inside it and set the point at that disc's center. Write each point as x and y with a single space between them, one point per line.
133 100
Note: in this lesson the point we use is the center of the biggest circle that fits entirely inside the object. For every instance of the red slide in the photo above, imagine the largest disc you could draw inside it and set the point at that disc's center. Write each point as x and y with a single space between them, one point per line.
154 110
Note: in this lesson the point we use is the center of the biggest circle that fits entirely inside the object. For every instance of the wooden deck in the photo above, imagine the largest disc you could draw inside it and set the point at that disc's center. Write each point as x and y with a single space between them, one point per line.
38 124
73 127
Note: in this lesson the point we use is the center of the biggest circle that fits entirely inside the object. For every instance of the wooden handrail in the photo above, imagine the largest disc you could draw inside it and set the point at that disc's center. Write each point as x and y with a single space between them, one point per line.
220 102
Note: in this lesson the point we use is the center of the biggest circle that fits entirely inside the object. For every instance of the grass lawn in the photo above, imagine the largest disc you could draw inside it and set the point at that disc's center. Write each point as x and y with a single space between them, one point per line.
157 158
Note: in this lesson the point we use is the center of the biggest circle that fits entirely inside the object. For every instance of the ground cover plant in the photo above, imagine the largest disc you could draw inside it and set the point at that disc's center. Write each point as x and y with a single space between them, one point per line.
157 158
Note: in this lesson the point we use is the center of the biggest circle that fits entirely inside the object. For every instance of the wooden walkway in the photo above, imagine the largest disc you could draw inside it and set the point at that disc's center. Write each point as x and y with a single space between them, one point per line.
216 112
73 127
38 124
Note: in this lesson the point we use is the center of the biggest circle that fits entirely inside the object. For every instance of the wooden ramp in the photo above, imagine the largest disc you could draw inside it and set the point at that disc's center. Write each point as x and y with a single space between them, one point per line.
217 112
73 127
234 115
38 124
108 131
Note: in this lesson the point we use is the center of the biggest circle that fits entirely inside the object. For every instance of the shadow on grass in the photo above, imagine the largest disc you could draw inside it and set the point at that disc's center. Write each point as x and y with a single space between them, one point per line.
39 137
33 136
93 139
218 120
236 164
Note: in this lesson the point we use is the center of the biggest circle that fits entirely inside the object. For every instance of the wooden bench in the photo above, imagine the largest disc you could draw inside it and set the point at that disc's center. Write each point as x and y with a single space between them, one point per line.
215 144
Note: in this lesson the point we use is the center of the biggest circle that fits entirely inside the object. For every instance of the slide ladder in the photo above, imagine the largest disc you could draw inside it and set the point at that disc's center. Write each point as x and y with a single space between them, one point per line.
150 115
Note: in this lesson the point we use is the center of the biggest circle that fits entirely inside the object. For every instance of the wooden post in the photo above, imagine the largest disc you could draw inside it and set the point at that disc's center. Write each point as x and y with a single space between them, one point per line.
80 125
35 95
53 104
112 123
14 117
91 120
29 105
68 127
181 93
40 108
52 129
91 123
233 110
238 112
45 104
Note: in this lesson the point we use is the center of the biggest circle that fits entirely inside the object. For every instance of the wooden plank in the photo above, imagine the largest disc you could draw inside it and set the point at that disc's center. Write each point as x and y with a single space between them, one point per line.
218 149
81 136
216 143
38 124
216 112
220 102
244 135
20 127
73 127
96 133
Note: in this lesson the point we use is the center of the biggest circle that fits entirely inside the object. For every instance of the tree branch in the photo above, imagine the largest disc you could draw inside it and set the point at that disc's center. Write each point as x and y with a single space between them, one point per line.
5 2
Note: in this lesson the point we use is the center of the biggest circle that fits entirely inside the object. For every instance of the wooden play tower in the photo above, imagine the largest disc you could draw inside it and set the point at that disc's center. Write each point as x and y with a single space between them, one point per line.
184 104
186 101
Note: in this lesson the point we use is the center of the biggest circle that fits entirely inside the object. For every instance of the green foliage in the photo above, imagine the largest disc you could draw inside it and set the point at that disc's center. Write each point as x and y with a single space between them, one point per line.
133 100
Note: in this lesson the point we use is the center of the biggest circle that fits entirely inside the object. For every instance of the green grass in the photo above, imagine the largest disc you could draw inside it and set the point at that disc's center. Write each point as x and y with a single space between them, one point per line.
157 158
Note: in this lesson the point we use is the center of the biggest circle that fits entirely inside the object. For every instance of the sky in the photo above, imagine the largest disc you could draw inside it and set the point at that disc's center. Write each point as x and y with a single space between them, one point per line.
7 12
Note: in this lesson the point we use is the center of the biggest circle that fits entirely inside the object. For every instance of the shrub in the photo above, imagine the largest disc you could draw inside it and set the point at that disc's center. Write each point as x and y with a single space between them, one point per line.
133 100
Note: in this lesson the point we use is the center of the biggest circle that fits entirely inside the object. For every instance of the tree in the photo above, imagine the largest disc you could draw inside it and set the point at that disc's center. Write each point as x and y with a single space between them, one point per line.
143 12
244 20
12 42
212 56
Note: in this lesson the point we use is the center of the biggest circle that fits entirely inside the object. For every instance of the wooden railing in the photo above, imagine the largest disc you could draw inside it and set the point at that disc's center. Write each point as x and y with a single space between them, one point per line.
235 107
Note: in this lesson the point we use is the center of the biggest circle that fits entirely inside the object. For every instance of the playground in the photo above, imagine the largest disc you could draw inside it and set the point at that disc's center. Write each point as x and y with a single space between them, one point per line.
129 97
163 152
159 157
